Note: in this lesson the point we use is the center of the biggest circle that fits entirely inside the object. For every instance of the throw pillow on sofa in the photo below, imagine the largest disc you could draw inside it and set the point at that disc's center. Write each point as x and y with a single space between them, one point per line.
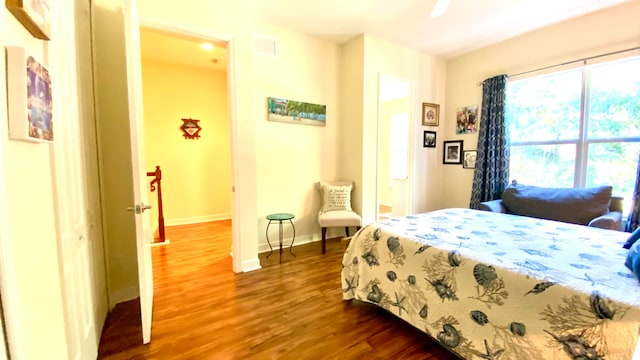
571 205
632 239
633 259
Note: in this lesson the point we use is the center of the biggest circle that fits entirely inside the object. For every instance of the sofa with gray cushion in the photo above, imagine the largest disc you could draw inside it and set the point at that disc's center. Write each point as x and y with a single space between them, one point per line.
585 206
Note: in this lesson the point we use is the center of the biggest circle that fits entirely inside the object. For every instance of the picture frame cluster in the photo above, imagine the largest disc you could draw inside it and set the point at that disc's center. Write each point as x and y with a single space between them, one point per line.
453 152
430 117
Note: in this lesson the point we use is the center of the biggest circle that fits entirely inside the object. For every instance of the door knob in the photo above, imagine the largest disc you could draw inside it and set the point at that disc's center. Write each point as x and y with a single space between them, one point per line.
139 209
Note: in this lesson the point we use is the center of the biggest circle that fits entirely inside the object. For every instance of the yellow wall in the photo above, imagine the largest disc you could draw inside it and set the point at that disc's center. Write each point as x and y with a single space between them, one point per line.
609 30
219 19
196 174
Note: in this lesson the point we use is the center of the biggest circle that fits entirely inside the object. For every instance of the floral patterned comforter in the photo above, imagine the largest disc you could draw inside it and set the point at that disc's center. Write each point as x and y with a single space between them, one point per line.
496 286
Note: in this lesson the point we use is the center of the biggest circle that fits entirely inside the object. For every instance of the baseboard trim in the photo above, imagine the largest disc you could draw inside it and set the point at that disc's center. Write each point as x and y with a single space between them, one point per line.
197 219
251 265
300 240
122 295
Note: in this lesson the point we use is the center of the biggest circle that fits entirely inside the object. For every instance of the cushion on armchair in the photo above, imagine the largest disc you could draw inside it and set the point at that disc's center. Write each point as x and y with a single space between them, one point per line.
336 196
571 205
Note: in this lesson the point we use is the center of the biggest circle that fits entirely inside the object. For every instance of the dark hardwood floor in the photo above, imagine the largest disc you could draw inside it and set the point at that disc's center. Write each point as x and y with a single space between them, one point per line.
293 310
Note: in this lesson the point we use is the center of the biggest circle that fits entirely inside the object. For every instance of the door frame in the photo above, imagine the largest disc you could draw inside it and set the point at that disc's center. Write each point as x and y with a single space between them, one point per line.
411 130
232 93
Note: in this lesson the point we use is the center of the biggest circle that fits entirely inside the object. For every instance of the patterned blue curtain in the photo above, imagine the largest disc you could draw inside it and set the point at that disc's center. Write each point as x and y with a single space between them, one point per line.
491 175
634 216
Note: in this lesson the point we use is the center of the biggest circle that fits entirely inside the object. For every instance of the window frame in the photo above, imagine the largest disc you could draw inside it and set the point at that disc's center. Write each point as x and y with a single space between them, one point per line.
583 142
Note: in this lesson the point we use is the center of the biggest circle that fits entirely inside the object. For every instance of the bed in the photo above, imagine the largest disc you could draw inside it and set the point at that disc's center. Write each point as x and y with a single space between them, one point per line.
497 286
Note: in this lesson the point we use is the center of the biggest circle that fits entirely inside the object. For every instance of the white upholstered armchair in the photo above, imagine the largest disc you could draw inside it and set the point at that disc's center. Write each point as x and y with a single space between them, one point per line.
336 210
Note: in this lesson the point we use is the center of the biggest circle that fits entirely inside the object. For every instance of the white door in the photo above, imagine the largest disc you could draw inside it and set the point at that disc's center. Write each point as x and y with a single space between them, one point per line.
144 235
79 240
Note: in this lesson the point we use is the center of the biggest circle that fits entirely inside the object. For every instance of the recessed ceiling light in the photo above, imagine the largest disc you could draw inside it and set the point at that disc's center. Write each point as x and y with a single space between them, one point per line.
206 46
439 8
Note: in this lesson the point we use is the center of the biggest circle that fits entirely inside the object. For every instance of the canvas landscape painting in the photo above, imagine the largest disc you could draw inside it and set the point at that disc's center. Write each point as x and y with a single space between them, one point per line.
296 112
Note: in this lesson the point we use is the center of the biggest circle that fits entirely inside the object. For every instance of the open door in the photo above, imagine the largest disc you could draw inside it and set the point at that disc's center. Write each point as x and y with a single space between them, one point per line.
144 234
123 179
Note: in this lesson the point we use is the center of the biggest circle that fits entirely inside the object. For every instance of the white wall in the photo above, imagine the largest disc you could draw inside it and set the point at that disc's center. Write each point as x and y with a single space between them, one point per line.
424 72
352 109
364 58
427 191
609 30
291 158
32 294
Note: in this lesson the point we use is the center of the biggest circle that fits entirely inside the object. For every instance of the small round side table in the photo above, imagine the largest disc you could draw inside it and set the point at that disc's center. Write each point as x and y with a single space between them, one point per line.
280 217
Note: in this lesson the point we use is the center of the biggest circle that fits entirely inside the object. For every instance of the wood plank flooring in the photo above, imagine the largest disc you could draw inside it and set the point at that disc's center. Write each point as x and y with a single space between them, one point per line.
293 310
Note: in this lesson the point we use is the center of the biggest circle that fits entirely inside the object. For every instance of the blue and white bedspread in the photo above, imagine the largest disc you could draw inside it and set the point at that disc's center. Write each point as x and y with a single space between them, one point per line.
495 286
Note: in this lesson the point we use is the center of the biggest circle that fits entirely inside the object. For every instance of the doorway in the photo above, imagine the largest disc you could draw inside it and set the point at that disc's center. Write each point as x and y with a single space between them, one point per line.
395 104
186 83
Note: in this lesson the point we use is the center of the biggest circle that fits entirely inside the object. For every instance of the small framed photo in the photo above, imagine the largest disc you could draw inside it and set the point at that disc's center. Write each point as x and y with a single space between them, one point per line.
429 139
469 159
430 114
452 153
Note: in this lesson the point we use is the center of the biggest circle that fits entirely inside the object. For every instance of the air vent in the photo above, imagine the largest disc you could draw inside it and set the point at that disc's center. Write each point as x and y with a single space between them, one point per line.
264 45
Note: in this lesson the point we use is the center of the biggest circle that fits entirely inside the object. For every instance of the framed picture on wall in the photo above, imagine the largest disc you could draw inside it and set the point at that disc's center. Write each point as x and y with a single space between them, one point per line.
469 159
452 153
33 14
429 139
430 114
29 107
296 112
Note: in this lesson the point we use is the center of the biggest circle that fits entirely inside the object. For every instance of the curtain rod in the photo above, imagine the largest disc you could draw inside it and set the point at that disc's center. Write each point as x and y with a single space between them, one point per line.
576 61
571 62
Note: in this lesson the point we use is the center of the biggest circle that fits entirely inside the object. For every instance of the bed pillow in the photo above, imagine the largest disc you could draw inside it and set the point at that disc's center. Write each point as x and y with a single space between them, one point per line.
335 197
633 259
571 205
632 239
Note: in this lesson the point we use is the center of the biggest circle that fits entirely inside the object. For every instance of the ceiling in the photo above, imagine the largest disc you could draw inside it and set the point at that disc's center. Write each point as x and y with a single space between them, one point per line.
466 25
184 50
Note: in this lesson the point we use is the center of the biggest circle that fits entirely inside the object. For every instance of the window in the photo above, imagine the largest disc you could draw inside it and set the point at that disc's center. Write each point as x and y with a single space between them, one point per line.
578 128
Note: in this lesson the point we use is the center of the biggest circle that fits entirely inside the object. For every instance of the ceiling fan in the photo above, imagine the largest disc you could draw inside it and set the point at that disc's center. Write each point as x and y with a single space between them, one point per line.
439 8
